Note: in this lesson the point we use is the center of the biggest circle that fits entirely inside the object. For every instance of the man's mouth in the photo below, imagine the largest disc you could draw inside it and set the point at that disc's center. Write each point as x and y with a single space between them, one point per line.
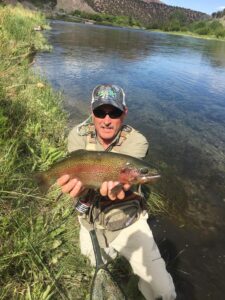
106 128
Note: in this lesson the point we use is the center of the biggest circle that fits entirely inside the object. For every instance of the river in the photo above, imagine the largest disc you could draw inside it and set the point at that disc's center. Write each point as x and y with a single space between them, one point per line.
175 91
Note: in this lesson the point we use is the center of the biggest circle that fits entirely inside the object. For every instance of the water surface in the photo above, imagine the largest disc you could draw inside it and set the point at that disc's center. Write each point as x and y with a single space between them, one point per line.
175 91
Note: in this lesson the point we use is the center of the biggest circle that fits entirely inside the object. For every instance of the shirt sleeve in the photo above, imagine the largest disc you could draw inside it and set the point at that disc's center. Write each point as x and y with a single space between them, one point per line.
75 141
136 145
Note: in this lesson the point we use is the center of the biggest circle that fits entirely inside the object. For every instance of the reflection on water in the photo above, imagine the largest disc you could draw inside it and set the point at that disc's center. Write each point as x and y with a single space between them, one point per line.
175 89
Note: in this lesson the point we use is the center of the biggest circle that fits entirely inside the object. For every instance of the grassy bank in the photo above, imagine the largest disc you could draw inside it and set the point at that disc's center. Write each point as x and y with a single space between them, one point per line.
39 257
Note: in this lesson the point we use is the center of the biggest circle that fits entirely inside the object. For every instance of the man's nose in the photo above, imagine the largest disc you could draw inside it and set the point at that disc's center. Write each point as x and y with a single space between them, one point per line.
107 119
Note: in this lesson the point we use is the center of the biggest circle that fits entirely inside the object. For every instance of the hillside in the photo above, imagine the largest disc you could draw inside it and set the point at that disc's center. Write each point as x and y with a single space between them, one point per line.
71 5
147 12
220 16
151 1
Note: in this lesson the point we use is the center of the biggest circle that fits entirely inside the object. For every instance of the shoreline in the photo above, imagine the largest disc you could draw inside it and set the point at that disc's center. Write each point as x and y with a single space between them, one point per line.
75 19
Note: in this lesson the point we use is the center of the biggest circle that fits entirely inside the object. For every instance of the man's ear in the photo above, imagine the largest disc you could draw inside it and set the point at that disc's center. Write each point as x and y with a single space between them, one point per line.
92 117
126 110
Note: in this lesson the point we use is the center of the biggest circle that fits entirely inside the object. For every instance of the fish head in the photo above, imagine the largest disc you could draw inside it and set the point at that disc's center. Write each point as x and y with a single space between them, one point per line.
138 174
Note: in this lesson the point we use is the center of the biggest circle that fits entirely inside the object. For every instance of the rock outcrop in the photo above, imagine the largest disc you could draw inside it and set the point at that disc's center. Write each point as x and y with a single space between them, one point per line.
71 5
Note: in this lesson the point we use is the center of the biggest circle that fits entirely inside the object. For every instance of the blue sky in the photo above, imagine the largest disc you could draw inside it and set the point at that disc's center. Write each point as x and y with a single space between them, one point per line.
207 6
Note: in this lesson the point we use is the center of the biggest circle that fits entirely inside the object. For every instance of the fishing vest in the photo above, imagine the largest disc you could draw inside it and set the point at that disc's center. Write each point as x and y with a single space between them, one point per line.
87 129
109 218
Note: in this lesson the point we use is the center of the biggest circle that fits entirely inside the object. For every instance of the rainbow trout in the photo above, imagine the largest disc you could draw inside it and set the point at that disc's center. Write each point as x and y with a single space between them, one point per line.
92 168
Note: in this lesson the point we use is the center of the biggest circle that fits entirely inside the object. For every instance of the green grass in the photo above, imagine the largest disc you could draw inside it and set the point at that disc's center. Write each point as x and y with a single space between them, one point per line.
39 255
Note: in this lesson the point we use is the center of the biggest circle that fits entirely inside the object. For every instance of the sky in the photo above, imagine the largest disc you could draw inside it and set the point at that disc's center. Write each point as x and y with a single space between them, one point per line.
206 6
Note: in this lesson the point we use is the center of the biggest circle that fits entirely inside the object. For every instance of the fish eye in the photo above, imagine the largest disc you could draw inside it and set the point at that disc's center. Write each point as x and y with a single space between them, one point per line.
144 171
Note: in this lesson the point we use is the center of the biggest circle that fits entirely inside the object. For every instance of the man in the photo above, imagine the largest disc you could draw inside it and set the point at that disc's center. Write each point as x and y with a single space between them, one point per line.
105 131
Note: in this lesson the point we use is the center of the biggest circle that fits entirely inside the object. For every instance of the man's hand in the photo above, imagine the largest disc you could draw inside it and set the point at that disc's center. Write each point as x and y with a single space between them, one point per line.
74 187
106 190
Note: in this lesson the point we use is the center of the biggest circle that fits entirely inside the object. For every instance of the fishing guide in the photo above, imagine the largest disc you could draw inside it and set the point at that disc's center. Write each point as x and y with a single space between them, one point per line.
120 217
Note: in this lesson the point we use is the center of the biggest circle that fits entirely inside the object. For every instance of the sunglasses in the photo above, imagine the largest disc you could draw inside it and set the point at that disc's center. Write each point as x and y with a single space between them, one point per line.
113 114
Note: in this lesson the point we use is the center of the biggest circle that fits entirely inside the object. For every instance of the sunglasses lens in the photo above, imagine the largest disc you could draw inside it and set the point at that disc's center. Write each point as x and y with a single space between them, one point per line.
114 114
99 113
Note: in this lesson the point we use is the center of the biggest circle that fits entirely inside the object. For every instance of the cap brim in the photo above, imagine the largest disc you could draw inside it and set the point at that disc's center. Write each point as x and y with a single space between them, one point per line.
98 103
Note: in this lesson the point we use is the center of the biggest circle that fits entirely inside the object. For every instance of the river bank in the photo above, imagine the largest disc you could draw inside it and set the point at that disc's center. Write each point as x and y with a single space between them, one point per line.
36 232
136 25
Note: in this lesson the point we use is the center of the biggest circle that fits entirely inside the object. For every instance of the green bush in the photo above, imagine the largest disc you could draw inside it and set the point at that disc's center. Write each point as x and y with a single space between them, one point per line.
184 28
198 25
202 31
76 13
174 25
215 25
220 33
97 17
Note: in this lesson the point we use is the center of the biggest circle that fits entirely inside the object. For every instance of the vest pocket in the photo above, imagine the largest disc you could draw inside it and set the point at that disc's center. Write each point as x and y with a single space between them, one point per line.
117 216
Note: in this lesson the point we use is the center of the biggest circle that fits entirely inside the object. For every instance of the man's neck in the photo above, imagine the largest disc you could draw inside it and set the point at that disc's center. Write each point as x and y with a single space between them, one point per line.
105 143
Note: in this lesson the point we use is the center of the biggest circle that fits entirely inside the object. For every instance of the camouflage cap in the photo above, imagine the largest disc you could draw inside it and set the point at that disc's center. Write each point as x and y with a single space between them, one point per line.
108 94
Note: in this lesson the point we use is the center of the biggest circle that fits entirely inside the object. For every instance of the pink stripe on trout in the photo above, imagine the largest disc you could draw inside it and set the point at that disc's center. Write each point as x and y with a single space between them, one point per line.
92 168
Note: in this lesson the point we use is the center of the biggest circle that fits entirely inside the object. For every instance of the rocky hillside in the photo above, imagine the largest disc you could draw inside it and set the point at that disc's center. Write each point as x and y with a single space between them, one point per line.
155 1
147 12
219 14
71 5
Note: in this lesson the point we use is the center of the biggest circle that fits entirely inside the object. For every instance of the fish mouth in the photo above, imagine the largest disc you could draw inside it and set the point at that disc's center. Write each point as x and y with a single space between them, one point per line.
148 178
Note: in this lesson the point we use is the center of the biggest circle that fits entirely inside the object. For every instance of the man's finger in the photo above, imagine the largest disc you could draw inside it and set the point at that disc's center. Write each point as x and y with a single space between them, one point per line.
67 188
104 189
121 195
77 189
126 186
63 180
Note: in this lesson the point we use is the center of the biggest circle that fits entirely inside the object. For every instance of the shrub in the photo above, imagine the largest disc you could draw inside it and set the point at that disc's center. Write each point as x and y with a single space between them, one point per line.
198 25
202 31
174 25
215 25
220 33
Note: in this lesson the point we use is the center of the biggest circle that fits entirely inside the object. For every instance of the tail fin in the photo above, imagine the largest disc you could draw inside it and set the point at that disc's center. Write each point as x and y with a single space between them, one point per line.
42 181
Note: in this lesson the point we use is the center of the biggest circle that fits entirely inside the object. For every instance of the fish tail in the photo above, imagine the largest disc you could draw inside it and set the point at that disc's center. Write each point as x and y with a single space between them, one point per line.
42 181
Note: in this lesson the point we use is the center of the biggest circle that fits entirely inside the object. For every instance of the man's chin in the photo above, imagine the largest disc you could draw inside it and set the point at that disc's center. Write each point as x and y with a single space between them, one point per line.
107 134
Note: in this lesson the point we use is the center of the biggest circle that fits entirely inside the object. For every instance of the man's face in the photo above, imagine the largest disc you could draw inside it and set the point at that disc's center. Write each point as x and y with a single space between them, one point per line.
108 127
